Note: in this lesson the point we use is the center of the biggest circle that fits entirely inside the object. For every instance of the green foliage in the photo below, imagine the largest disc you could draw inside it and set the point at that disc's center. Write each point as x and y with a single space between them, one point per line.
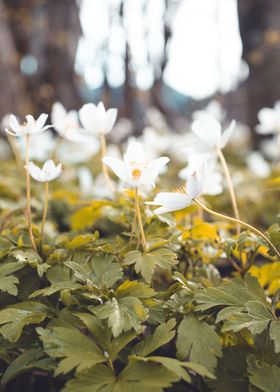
93 312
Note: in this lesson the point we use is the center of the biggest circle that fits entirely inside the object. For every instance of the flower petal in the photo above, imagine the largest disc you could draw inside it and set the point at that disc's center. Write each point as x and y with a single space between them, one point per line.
227 134
88 117
135 153
170 201
154 168
34 171
117 166
111 117
14 124
208 130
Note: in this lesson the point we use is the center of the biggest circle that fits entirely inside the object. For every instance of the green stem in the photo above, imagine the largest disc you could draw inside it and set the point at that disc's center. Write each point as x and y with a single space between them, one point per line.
104 167
45 211
28 197
138 213
230 187
252 228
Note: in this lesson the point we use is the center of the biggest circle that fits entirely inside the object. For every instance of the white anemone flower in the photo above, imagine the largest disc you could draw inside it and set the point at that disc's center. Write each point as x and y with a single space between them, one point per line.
213 179
135 170
269 119
41 146
49 172
30 127
67 124
182 197
209 135
96 119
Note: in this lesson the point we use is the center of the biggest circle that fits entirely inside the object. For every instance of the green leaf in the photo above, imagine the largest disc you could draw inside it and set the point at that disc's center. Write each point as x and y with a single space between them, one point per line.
274 333
178 367
34 358
97 379
16 317
99 272
198 341
137 376
78 350
135 289
145 264
55 287
255 316
122 314
8 283
263 375
162 335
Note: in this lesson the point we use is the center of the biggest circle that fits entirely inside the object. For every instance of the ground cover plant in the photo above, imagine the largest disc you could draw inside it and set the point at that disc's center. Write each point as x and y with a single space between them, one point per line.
136 280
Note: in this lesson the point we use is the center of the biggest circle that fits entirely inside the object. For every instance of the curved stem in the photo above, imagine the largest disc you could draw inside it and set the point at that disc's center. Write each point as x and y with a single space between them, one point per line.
252 228
138 213
45 211
230 187
104 167
28 202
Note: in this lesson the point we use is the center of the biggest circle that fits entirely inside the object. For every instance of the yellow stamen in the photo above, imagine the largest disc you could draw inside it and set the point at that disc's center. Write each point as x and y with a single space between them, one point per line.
136 173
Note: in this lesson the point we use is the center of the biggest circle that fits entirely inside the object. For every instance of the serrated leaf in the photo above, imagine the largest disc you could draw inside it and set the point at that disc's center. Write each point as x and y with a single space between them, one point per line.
198 341
14 318
55 287
34 358
234 293
263 375
135 289
135 377
146 263
162 335
100 271
122 314
8 283
78 350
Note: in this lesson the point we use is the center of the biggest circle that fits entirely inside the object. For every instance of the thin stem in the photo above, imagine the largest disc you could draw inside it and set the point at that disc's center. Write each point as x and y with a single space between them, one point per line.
45 211
104 167
28 202
230 187
138 213
252 228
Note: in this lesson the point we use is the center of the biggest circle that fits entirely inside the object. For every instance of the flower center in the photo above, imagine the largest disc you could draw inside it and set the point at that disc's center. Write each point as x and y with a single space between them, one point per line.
136 173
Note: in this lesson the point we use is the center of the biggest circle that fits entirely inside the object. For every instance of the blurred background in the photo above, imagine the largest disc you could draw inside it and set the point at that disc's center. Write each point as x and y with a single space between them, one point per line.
175 56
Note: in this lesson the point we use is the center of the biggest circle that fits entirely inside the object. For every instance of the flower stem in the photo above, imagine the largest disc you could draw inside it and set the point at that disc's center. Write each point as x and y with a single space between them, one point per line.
45 211
252 228
230 187
138 213
28 202
104 167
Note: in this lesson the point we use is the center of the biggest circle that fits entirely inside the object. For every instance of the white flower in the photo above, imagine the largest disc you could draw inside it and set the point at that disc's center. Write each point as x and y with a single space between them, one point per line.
91 187
182 198
48 172
213 179
67 124
96 119
214 108
30 127
135 170
269 119
74 152
258 165
209 135
40 146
